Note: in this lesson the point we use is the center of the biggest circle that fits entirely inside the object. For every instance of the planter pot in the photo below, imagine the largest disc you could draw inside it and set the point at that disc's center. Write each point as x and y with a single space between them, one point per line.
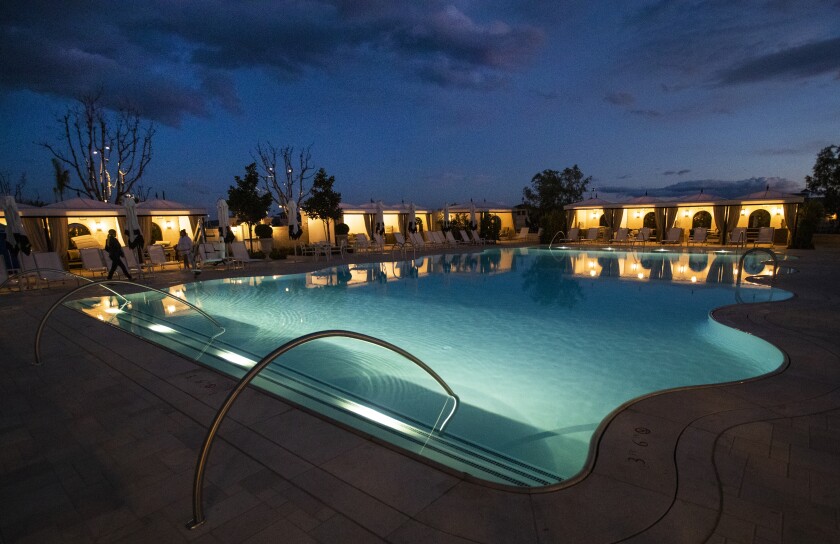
266 245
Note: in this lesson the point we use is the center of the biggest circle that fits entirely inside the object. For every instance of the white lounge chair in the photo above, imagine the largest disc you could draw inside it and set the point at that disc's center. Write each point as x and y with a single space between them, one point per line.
700 235
738 236
450 239
465 238
477 240
378 241
93 261
591 235
674 236
399 241
239 253
621 236
50 268
209 254
416 240
766 235
643 236
361 244
131 261
157 257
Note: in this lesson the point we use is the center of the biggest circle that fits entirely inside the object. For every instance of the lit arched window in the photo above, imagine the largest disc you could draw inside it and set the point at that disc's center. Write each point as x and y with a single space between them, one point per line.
649 221
759 218
702 219
157 234
76 229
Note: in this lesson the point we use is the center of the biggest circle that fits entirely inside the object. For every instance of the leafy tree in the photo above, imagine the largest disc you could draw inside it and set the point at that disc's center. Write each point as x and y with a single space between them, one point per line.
810 215
826 178
551 190
323 204
92 142
246 202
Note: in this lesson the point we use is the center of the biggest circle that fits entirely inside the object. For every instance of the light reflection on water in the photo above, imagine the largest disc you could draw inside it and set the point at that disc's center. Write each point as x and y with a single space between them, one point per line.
540 345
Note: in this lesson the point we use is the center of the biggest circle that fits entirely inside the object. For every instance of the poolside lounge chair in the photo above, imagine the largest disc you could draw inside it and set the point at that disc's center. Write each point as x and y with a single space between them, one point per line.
674 236
132 264
738 236
450 239
417 240
157 257
700 235
591 235
50 268
209 255
93 261
765 236
399 241
642 237
622 236
239 254
573 236
476 239
465 238
361 243
379 241
523 234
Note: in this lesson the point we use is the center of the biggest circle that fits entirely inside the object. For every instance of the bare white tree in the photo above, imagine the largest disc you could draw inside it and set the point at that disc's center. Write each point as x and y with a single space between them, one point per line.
108 153
285 174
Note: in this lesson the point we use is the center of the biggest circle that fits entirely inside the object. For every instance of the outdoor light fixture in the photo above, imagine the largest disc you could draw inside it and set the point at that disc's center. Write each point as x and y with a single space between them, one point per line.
777 211
98 226
744 211
638 214
169 225
686 213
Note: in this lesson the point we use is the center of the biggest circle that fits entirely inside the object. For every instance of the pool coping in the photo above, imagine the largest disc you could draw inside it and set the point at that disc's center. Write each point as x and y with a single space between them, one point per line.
671 488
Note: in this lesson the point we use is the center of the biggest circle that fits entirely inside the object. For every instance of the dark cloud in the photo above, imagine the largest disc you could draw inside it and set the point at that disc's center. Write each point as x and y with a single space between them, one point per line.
721 188
180 58
804 61
675 172
620 99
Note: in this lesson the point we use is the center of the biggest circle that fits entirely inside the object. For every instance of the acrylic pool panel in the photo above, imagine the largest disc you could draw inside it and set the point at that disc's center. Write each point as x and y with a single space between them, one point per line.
540 345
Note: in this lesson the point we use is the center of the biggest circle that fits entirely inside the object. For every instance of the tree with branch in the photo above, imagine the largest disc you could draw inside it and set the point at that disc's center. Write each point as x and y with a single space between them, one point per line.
246 202
285 174
324 202
826 179
107 152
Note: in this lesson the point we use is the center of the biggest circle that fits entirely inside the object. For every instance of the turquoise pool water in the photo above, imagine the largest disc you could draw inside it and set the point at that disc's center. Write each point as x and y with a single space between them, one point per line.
539 345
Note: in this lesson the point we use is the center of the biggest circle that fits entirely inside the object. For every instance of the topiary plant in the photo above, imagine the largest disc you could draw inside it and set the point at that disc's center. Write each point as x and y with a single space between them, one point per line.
263 231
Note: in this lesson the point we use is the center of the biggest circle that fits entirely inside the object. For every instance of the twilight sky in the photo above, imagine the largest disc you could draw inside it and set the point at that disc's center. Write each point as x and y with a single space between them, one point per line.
432 101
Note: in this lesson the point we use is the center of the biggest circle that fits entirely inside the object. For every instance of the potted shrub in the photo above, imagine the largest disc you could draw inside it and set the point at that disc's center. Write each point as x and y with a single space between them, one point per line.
341 232
264 233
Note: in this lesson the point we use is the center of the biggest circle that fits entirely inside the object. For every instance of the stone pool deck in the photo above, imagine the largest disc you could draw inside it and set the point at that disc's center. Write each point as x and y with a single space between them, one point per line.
99 445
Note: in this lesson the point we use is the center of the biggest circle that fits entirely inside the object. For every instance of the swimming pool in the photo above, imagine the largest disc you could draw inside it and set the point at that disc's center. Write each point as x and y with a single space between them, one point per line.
539 345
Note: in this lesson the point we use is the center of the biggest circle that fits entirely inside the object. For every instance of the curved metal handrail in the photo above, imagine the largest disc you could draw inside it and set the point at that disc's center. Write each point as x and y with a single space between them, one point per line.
103 283
756 250
555 237
198 482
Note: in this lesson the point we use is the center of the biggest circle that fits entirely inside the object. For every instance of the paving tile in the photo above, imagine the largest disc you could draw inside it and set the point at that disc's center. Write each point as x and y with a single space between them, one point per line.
685 522
282 531
735 529
340 529
375 515
395 479
412 532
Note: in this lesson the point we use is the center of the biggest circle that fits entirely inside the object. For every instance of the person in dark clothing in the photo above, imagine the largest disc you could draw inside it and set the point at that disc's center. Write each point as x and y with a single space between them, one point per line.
115 251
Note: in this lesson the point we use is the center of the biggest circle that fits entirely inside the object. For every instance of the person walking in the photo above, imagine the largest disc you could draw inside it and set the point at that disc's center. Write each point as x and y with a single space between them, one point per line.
115 252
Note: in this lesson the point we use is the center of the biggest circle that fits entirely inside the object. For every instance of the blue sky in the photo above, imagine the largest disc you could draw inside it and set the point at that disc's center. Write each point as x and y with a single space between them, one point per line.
438 101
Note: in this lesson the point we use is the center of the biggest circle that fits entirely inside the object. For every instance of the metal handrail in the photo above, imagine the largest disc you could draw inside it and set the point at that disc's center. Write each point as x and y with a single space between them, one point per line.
756 250
103 283
555 237
201 464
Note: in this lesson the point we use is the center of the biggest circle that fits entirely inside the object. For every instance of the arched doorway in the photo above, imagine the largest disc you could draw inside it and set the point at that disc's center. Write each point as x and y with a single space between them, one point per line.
702 219
758 219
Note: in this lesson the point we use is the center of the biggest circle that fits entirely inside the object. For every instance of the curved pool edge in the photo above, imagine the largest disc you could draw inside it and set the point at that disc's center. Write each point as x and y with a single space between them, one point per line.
608 505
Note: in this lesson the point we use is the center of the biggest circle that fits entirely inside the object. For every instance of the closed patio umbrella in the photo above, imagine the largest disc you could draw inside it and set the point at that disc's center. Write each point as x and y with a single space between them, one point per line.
473 223
223 212
295 231
412 218
134 237
445 217
380 219
16 239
